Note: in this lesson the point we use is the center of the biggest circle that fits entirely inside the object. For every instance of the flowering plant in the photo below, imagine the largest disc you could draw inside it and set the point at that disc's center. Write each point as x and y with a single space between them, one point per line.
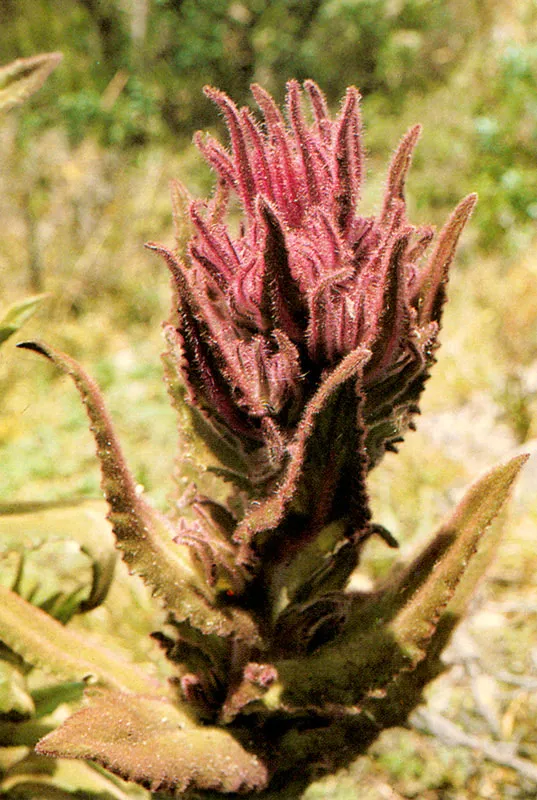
298 349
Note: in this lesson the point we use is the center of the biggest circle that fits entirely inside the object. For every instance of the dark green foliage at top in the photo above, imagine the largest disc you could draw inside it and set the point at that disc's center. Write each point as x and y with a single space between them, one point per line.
131 77
133 73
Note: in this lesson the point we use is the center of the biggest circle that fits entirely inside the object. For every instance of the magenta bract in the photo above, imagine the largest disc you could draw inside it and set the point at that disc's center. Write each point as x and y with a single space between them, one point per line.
264 314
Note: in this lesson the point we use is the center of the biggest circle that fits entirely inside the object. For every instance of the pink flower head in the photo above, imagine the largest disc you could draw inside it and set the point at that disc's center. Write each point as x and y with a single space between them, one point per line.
265 314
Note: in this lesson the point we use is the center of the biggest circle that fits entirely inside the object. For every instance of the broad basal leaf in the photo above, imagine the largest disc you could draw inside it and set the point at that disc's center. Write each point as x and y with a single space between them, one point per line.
149 741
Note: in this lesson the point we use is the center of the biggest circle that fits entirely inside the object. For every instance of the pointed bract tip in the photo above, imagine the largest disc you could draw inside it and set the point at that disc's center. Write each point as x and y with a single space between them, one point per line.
293 84
159 248
406 146
468 204
459 217
518 462
156 247
352 96
55 57
220 98
36 347
259 91
210 91
173 264
410 140
51 60
197 139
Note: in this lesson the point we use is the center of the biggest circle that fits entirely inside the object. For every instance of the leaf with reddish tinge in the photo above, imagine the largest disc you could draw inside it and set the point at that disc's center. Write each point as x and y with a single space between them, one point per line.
145 536
403 620
267 514
431 293
149 741
481 504
400 164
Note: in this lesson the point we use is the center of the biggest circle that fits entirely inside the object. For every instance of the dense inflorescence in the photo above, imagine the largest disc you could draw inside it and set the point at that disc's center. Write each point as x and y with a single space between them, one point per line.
308 280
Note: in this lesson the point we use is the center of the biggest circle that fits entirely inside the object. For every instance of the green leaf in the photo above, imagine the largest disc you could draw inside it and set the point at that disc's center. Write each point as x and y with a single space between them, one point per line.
43 642
23 77
55 575
149 741
41 790
38 778
59 557
393 633
15 701
313 559
416 622
23 733
48 698
17 314
145 536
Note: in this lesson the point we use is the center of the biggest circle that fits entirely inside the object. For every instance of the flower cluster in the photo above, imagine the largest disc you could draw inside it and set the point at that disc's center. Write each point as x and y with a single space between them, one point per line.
307 306
264 314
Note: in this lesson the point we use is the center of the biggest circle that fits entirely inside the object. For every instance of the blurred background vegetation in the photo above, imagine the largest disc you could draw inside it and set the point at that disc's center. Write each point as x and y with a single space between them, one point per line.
84 168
